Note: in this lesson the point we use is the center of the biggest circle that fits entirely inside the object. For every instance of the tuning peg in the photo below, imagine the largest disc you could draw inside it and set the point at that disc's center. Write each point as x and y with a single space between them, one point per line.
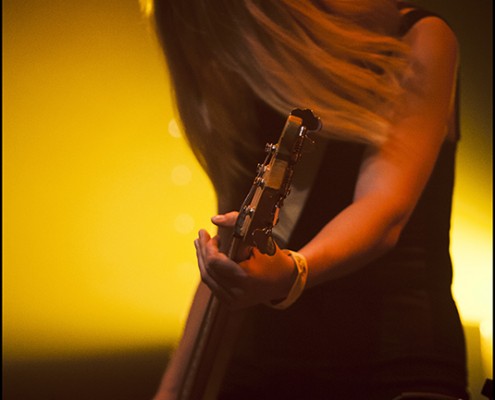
270 148
260 182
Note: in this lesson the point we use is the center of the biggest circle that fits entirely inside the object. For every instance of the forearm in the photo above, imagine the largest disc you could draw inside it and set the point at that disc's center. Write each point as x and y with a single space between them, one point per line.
362 232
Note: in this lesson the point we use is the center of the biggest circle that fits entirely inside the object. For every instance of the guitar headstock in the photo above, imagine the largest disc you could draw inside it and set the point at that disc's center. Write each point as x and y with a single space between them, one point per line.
309 120
259 211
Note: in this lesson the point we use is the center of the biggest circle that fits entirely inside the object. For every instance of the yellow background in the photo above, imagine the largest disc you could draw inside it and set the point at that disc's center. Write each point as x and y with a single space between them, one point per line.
102 199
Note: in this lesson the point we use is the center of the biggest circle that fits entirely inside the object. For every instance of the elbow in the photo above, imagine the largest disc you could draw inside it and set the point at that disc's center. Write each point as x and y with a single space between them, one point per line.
390 237
395 220
390 240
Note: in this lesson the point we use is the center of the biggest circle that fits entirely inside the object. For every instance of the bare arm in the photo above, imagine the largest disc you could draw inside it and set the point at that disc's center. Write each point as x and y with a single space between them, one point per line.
390 182
392 177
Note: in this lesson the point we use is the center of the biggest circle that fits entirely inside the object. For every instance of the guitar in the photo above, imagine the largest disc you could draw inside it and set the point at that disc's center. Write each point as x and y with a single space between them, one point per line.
197 368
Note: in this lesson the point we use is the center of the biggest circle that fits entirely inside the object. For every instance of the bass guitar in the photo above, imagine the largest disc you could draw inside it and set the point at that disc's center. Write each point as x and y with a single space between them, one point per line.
198 365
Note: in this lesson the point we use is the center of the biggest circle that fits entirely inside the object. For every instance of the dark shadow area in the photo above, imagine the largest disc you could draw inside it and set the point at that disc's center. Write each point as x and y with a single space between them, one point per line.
121 376
135 375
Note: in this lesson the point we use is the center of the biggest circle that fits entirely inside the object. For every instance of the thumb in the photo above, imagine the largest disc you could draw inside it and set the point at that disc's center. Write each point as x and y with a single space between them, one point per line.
225 220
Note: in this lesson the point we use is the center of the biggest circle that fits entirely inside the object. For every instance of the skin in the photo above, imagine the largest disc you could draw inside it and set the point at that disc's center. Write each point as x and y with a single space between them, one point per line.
390 182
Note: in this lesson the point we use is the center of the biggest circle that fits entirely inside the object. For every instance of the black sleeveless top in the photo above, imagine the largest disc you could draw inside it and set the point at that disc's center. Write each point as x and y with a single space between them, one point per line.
391 327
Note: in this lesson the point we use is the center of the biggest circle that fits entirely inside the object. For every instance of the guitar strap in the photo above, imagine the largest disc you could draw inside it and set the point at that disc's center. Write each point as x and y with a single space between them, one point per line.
302 182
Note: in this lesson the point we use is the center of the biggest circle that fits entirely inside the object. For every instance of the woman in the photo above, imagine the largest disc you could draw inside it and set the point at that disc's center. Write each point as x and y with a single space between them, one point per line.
375 318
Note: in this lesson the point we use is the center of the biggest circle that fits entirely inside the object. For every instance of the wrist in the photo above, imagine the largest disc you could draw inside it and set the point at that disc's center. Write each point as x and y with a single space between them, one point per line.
298 279
288 281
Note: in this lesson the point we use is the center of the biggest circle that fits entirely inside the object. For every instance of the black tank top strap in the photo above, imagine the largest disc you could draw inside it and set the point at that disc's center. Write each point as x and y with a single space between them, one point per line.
411 17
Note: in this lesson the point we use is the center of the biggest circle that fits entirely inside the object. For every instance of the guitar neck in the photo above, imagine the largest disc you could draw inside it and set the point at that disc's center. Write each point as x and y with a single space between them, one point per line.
211 352
212 328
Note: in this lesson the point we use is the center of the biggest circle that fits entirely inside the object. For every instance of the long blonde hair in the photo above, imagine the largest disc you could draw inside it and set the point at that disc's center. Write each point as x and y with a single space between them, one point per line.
341 58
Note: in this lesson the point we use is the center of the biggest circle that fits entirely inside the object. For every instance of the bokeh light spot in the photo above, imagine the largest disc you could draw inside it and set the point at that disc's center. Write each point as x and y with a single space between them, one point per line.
173 129
184 223
181 175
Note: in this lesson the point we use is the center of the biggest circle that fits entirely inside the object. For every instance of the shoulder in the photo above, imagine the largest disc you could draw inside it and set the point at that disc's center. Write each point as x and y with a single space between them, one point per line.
432 36
434 55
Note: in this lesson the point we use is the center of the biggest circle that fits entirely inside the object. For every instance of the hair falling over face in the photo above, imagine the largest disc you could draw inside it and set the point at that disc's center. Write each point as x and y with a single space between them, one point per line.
343 59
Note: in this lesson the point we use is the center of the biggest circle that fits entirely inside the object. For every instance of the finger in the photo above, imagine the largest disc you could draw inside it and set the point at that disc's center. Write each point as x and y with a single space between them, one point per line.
223 294
215 241
225 220
222 267
214 260
203 237
224 277
217 270
201 242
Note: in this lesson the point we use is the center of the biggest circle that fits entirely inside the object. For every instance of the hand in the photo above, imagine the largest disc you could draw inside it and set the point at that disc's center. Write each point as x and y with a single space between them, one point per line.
260 279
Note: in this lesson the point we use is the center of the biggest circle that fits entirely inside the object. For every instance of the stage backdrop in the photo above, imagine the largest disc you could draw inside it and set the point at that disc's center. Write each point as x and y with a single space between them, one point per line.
102 199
